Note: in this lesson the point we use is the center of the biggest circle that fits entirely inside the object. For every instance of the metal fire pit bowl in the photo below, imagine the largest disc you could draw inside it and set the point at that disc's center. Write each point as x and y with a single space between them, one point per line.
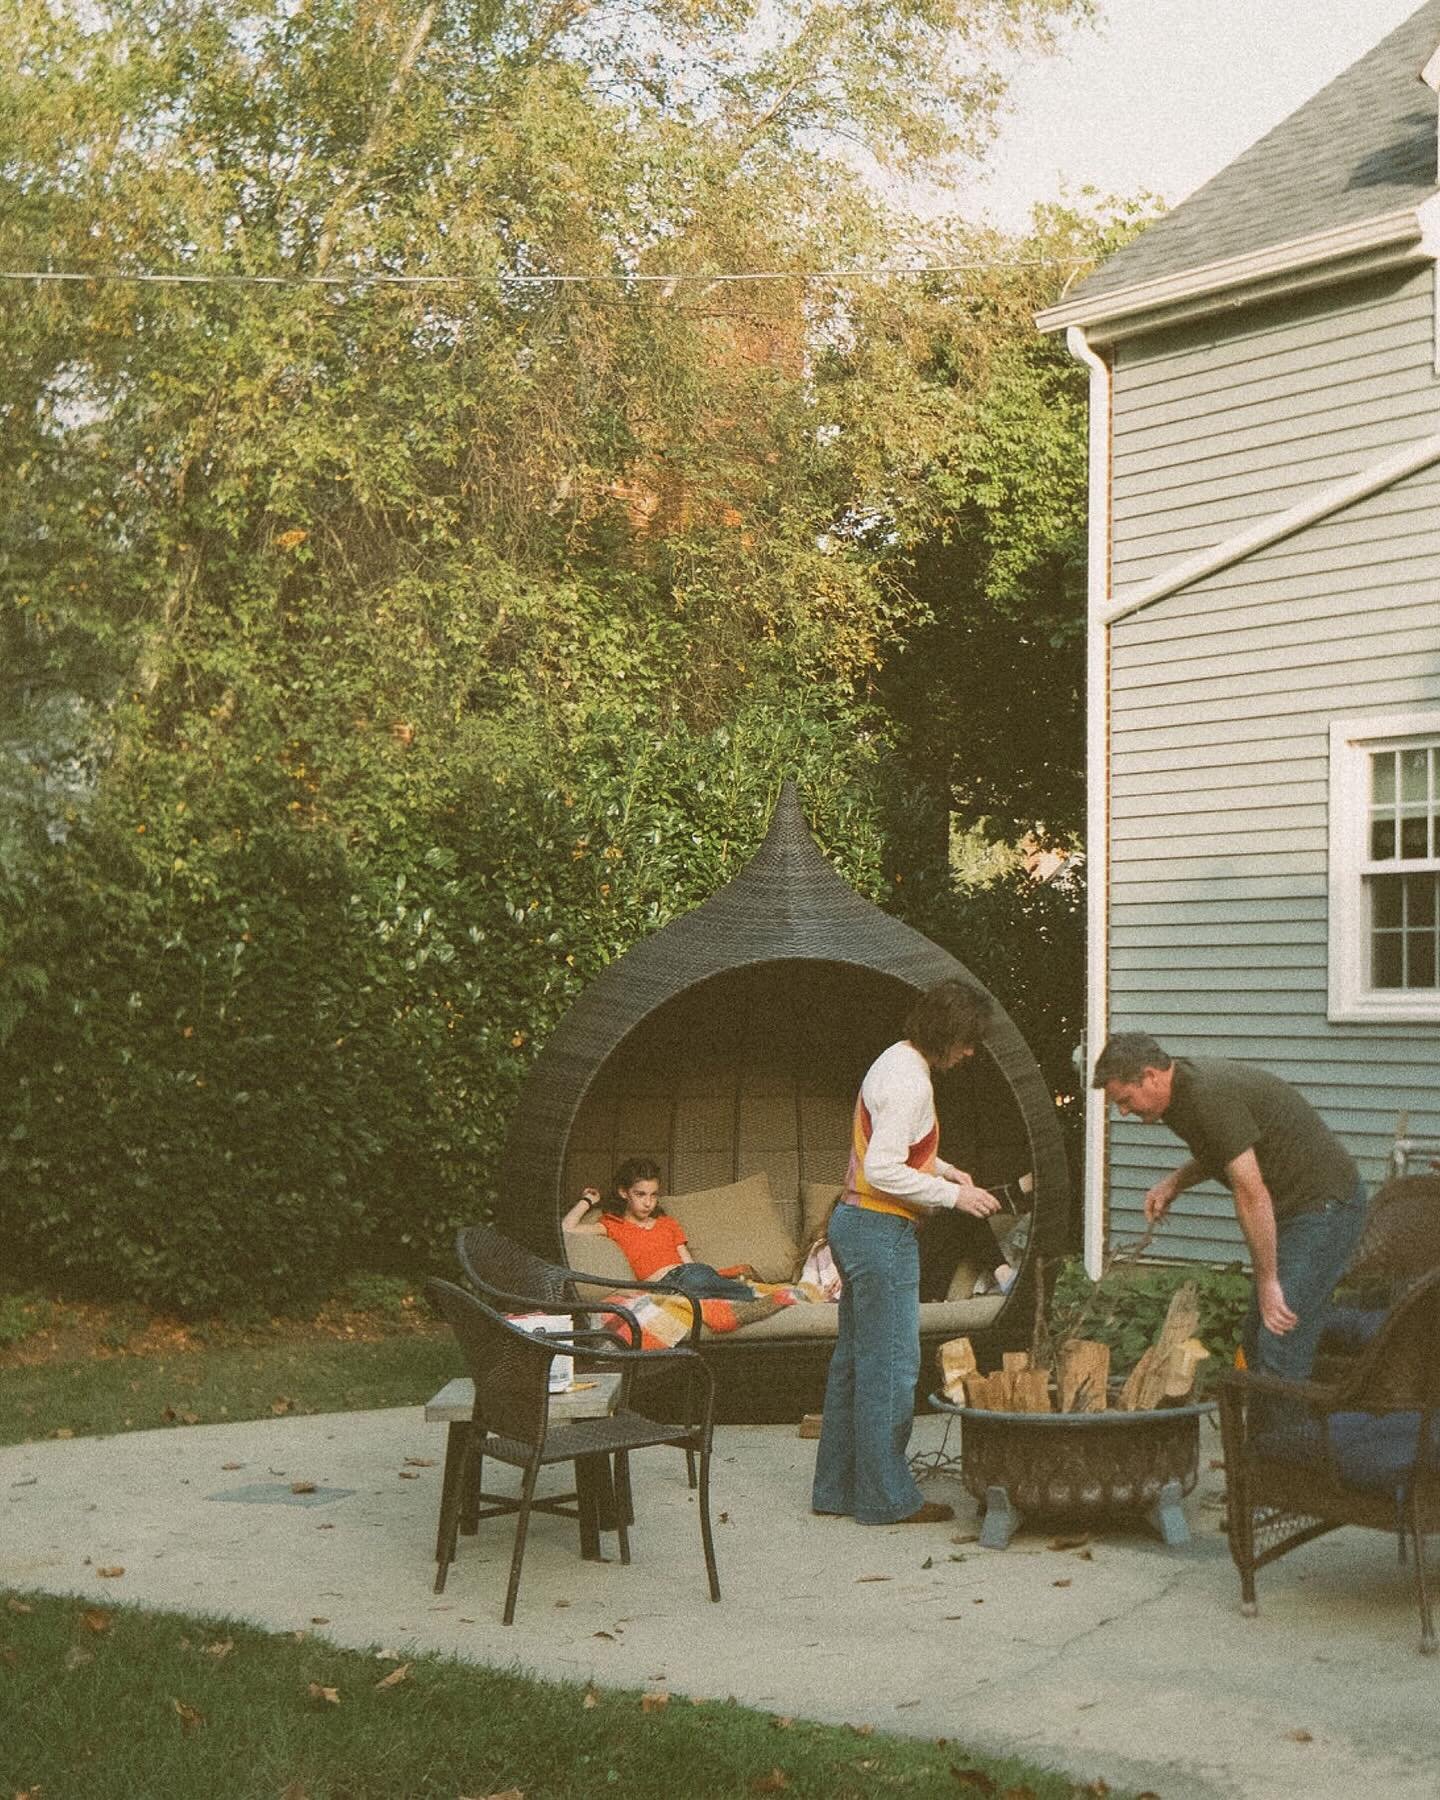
1080 1467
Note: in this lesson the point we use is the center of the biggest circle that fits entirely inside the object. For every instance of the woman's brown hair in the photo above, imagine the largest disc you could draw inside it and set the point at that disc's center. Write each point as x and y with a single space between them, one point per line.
946 1017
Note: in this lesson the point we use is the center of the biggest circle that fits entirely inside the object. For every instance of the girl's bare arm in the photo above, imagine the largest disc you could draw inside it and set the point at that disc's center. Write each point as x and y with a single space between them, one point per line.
581 1216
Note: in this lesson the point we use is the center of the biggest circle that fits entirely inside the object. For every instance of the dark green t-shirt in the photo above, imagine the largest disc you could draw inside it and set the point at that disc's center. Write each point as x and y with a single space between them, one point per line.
1223 1108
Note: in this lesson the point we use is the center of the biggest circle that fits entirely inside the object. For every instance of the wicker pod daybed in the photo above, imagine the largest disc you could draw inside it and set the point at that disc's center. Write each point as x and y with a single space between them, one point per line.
730 1045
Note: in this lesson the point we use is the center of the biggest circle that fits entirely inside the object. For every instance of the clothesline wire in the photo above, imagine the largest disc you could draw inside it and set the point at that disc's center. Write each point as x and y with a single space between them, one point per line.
181 278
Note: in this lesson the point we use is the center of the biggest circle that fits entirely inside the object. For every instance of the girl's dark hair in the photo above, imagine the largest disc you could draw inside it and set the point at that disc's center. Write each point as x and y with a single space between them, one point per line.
633 1169
949 1015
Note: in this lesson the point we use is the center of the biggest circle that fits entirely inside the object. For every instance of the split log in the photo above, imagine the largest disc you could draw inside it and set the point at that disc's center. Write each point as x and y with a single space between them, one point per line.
1015 1362
1084 1375
1146 1385
1030 1391
957 1365
1179 1373
987 1393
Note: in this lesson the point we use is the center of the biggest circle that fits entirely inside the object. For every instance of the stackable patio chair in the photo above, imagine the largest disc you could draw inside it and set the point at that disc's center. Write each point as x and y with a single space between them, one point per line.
515 1279
511 1423
1303 1458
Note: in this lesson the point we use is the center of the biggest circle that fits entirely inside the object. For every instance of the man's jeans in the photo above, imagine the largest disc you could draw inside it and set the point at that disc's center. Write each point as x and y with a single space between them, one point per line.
1311 1252
861 1467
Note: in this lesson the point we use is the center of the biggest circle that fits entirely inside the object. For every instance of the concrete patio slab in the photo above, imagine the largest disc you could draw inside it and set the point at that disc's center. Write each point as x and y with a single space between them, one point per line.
1118 1658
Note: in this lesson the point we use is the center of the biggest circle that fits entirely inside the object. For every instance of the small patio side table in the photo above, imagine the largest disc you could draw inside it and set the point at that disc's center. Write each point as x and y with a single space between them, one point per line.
592 1397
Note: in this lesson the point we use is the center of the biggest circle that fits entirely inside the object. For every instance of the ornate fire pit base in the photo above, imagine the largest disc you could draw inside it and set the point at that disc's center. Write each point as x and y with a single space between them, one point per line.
1080 1467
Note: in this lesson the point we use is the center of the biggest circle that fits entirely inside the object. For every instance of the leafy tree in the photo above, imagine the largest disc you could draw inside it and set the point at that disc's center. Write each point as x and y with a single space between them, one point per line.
417 644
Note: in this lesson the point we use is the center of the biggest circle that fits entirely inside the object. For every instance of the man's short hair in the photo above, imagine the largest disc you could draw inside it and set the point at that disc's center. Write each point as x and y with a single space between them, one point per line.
1127 1056
946 1017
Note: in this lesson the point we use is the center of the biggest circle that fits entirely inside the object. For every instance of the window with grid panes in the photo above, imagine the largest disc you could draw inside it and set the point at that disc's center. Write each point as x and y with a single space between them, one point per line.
1402 874
1385 869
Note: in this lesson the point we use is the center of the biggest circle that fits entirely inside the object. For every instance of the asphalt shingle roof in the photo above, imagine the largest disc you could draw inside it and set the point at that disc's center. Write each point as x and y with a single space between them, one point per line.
1362 147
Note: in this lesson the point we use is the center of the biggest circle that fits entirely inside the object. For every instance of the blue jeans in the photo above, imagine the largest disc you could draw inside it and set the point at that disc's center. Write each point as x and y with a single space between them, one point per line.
860 1466
702 1282
1311 1252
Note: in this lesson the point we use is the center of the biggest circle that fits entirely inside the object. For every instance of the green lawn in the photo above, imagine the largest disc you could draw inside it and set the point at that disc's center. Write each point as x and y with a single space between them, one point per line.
207 1386
101 1703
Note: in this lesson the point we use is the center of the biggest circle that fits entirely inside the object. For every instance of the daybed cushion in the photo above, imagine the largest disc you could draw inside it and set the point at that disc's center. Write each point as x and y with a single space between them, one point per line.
822 1320
741 1223
594 1255
816 1199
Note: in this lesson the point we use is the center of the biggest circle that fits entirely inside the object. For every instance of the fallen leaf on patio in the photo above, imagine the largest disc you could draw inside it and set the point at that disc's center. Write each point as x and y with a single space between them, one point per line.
232 1465
609 1636
929 1563
395 1677
26 1481
18 1606
1064 1583
977 1602
724 1518
1301 1737
220 1649
974 1778
111 1570
900 1705
1068 1543
325 1527
1217 1462
302 1487
408 1475
421 1462
1087 1556
654 1702
318 1619
76 1658
591 1698
191 1717
769 1784
93 1619
966 1537
327 1695
562 1602
860 1578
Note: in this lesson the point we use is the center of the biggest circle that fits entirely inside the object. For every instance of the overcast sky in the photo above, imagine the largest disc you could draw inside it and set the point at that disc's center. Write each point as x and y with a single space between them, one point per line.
1165 93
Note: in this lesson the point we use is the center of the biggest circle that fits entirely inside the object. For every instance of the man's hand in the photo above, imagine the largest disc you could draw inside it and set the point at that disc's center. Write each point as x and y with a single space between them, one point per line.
1275 1315
1157 1201
975 1201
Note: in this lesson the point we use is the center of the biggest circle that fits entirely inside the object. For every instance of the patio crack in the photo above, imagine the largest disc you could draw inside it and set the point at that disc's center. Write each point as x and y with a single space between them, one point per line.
1048 1658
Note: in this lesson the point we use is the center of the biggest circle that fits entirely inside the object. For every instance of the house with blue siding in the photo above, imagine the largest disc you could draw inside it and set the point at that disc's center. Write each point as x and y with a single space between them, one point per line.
1264 631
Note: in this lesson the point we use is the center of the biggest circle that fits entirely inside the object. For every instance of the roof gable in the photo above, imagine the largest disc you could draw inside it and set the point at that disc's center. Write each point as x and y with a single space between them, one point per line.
1362 148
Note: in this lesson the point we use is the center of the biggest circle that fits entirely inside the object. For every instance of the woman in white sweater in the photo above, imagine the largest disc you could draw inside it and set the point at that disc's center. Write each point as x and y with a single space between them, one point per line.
895 1178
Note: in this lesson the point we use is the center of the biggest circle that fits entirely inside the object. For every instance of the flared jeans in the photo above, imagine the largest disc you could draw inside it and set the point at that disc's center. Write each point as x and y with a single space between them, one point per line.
861 1466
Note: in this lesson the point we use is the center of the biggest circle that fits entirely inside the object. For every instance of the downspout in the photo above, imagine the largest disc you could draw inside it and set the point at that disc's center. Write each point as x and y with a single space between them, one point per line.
1097 821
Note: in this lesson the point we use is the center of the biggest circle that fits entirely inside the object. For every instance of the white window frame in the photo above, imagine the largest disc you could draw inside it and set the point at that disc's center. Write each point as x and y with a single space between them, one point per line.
1352 1000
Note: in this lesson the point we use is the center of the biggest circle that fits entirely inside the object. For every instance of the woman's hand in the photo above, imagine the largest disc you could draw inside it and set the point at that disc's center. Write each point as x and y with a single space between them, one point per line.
975 1201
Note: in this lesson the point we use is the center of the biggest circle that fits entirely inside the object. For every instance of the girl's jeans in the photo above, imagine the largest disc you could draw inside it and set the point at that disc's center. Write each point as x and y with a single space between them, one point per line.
861 1467
1311 1252
702 1282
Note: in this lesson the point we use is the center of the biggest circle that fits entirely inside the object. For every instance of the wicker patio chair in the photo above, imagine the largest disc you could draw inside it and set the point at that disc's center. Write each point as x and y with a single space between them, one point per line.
511 1372
515 1279
1303 1458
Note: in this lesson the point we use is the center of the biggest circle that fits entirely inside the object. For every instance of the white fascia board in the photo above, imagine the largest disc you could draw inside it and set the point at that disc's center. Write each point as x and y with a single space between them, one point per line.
1407 461
1097 801
1386 234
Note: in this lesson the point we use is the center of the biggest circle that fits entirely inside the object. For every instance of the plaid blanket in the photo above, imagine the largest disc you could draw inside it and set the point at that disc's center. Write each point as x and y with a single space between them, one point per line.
664 1319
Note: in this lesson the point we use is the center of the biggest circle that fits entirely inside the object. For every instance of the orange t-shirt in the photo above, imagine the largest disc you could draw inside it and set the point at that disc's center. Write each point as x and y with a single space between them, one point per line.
648 1248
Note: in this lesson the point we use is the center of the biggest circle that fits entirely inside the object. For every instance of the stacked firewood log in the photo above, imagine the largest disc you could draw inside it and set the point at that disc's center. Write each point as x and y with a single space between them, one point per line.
1080 1381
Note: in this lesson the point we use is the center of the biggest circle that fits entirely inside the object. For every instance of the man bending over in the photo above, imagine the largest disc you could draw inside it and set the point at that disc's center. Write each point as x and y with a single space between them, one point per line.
1298 1197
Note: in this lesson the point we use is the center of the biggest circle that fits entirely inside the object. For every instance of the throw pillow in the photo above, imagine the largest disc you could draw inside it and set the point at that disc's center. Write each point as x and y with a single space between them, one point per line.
738 1224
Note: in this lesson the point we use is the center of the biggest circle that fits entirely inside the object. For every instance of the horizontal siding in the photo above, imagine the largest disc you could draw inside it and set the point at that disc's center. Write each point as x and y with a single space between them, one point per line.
1222 699
1215 427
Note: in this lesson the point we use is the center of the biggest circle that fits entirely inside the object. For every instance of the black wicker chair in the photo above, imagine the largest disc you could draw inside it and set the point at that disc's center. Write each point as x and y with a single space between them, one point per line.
1303 1458
515 1279
511 1372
